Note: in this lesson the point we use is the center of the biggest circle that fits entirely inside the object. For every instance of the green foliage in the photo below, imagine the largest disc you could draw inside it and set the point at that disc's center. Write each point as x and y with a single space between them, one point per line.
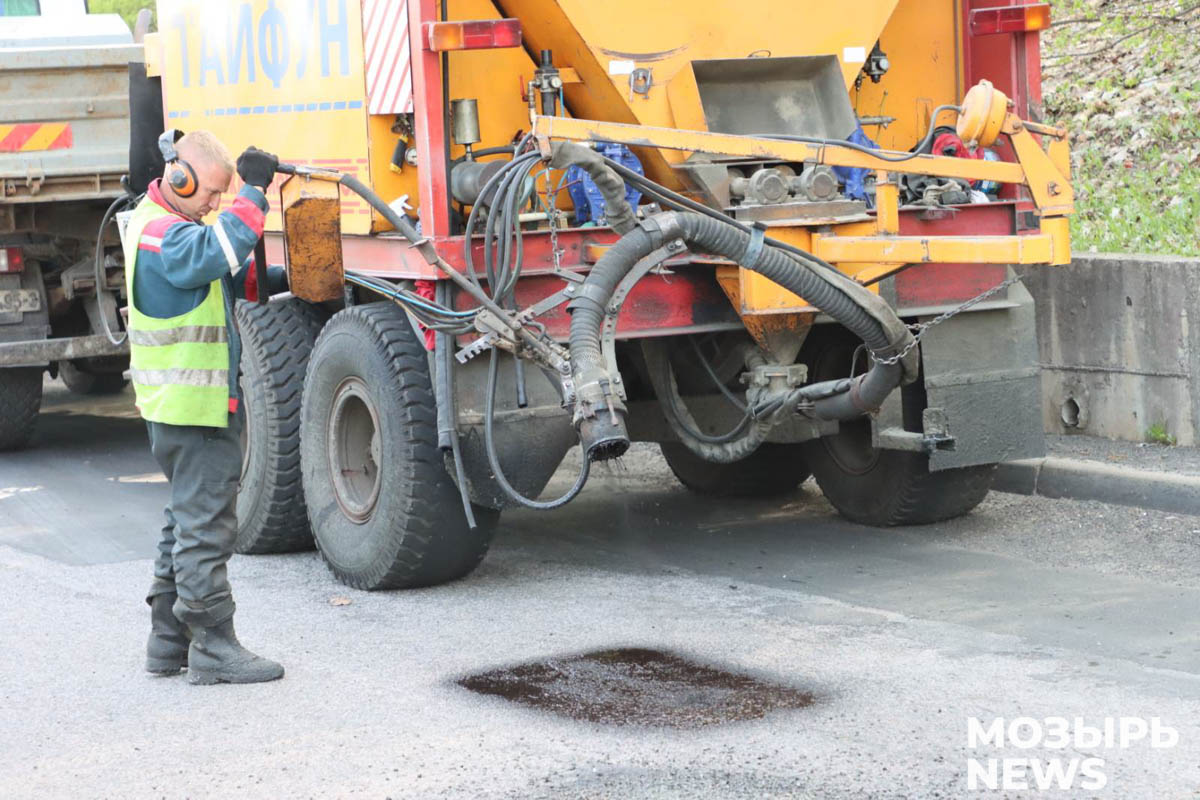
128 9
1120 74
1157 434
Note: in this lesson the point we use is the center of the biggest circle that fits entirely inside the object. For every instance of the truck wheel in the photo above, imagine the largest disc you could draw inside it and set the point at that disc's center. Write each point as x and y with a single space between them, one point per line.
81 381
20 399
891 487
882 487
772 469
277 340
384 511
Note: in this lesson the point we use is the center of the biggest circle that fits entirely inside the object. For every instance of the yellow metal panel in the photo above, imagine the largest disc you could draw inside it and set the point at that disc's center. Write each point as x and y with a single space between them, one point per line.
921 41
603 42
284 75
385 182
760 295
1059 231
1035 249
493 77
153 50
887 203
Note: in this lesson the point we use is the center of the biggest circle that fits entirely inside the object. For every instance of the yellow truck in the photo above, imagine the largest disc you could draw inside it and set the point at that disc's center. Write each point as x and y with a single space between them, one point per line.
774 237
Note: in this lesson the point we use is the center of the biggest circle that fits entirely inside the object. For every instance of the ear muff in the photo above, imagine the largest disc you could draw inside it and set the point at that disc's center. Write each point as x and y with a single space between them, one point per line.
181 177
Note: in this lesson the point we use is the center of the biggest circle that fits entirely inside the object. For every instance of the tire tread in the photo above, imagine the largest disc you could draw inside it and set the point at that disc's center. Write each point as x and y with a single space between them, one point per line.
280 336
428 548
771 470
20 401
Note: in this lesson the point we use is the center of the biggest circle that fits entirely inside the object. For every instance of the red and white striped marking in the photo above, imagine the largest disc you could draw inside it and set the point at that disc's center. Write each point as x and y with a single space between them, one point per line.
385 42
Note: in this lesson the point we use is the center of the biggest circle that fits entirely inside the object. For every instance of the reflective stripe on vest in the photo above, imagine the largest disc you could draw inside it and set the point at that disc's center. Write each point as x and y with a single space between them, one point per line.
189 333
181 377
179 365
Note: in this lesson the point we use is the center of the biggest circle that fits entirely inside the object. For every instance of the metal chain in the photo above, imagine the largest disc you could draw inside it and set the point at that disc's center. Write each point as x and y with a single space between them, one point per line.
554 251
552 216
919 330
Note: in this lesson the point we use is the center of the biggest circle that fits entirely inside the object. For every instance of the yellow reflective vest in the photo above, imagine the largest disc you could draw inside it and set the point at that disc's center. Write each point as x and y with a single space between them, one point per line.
179 365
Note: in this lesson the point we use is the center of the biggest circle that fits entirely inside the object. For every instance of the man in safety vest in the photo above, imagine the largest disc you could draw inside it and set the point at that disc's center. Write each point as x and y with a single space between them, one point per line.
182 278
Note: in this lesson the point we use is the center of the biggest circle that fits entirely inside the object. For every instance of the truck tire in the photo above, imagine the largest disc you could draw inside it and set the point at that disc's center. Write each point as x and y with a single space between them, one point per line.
384 511
876 487
772 469
81 381
894 487
20 399
277 340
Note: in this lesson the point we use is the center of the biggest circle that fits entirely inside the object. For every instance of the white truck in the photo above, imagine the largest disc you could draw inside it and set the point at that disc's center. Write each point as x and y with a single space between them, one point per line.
64 148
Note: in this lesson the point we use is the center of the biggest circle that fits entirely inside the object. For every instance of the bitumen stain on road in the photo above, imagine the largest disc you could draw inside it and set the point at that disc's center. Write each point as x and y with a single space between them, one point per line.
636 686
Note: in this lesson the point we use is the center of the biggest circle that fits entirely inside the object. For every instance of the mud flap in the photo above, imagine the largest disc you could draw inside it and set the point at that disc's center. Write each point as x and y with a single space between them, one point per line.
981 370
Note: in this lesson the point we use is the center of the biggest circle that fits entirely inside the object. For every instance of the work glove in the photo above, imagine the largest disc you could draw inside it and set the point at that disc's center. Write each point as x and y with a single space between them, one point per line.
257 167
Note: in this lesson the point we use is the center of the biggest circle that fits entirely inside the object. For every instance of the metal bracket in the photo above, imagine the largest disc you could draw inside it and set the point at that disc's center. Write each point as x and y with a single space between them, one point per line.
935 436
527 314
494 331
608 333
479 345
640 81
790 375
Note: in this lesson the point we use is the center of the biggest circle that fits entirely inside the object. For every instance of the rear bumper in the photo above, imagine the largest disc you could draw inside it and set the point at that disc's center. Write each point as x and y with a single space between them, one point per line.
39 353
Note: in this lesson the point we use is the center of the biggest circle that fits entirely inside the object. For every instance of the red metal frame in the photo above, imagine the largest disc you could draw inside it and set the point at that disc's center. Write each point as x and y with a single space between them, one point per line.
430 134
1012 62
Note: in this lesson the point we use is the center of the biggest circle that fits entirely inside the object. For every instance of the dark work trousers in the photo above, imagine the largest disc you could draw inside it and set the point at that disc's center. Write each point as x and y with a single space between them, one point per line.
203 465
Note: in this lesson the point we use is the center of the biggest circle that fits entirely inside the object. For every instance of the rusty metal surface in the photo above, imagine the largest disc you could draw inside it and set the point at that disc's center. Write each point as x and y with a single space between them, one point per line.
13 354
779 334
312 234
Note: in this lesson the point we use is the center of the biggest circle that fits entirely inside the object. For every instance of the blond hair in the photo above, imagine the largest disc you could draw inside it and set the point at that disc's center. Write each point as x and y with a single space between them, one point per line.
206 147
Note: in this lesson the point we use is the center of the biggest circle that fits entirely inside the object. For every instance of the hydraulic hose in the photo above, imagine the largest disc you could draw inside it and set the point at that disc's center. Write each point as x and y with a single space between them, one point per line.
726 448
617 211
489 446
98 265
601 424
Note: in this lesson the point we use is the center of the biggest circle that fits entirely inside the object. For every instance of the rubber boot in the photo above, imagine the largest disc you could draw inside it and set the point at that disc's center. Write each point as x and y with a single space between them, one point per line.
167 648
216 656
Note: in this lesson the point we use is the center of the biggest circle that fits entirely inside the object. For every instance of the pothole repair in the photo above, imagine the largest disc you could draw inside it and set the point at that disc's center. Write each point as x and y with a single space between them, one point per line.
635 686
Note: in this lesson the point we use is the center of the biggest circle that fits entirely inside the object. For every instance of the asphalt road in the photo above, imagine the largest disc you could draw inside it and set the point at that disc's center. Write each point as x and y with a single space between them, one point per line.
1028 608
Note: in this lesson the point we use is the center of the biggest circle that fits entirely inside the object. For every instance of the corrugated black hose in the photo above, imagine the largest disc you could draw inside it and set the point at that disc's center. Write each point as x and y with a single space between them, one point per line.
844 399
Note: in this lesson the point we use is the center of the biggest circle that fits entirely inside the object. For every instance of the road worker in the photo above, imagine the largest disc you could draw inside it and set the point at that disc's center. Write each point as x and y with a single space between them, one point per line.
182 277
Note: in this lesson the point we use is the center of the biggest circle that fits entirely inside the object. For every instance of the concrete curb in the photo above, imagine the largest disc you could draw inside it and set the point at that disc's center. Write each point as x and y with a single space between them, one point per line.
1089 480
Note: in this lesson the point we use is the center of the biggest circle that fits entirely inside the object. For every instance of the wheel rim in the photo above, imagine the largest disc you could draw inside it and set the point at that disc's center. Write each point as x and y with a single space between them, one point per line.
354 450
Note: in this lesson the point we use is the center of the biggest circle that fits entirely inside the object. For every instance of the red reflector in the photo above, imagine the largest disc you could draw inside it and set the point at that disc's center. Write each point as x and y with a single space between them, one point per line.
1010 19
474 34
11 260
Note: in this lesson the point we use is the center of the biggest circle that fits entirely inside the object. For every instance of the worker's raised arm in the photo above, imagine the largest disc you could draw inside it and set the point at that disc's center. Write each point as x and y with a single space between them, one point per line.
196 255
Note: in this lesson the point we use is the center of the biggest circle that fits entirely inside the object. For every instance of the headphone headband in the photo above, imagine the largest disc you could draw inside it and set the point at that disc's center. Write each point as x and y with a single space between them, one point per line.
166 144
182 177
